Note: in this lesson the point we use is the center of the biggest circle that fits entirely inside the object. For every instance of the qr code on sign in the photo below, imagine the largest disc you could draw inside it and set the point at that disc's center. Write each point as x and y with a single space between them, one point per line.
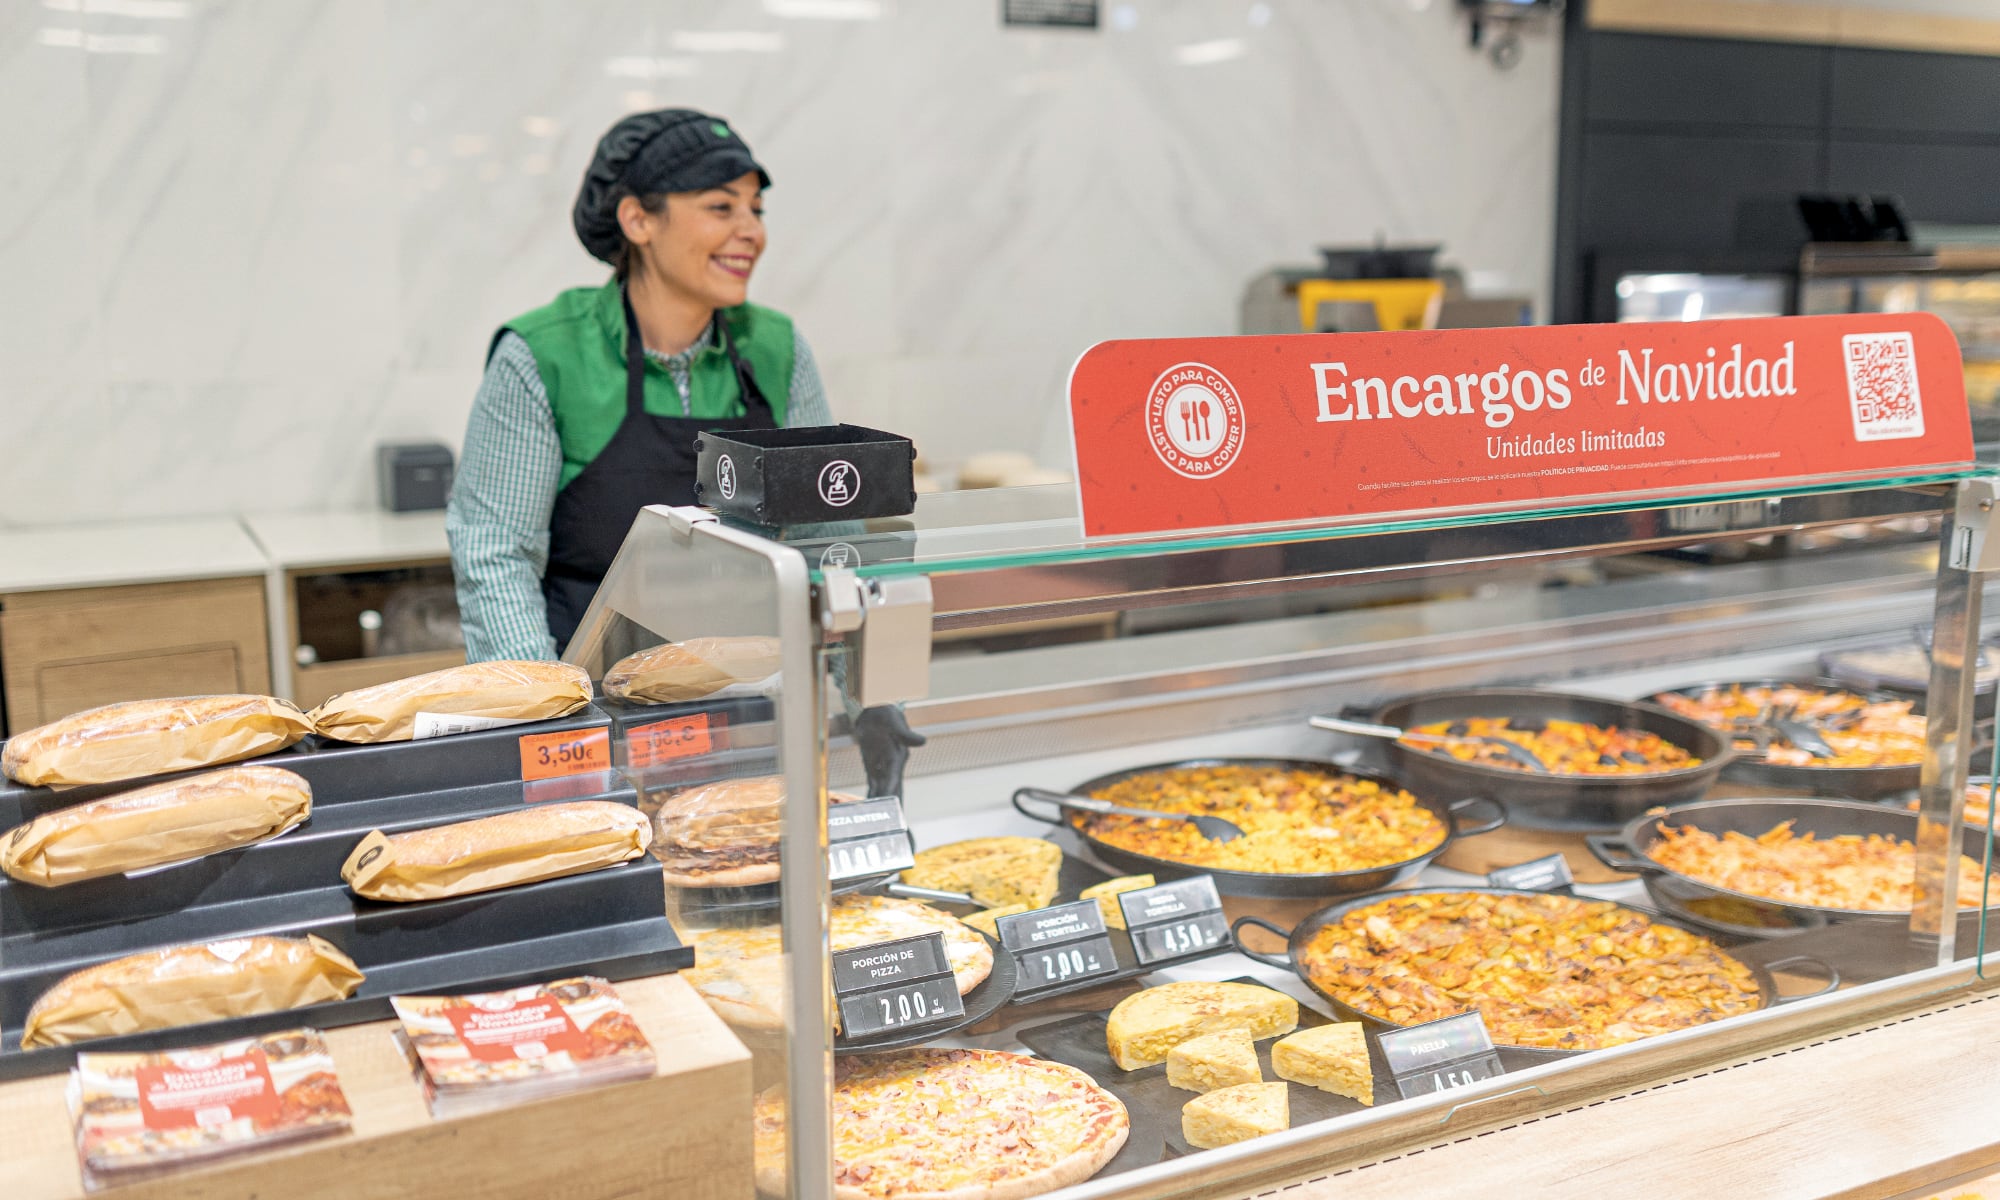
1882 386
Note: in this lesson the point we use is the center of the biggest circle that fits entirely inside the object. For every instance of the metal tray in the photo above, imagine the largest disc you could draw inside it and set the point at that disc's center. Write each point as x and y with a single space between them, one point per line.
1154 1106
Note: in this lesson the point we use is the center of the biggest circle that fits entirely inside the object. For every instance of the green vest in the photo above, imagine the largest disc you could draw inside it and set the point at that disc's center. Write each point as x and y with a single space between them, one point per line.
579 347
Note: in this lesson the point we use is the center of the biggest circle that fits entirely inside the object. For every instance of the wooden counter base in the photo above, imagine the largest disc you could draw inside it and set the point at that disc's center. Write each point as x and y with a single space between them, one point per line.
685 1133
1898 1109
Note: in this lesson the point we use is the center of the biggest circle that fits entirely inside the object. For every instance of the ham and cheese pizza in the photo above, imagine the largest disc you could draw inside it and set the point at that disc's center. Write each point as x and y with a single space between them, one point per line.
739 972
937 1124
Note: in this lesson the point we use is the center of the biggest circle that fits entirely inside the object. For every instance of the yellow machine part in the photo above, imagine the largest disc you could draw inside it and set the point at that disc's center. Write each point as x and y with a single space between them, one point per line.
1399 303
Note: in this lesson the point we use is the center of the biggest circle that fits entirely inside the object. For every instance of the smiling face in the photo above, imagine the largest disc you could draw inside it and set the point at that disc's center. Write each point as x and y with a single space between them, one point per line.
701 245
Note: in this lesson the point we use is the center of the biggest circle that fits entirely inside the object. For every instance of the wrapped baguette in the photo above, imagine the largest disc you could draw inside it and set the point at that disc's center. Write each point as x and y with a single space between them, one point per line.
166 823
186 985
151 737
454 700
544 841
691 670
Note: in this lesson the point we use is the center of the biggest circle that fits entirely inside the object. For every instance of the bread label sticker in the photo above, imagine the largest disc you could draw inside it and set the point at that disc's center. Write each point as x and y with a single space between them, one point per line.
202 1091
568 752
506 1030
231 950
664 741
426 725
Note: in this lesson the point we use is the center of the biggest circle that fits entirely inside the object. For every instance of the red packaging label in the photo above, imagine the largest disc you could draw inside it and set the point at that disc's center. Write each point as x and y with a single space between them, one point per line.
200 1092
508 1030
664 741
1211 432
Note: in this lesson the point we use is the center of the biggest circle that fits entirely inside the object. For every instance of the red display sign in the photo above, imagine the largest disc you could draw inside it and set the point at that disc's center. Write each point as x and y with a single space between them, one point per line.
1209 432
664 741
197 1091
504 1029
554 755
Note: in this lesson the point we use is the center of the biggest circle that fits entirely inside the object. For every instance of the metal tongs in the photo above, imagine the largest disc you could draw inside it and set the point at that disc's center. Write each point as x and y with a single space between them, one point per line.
1514 750
1215 829
1801 735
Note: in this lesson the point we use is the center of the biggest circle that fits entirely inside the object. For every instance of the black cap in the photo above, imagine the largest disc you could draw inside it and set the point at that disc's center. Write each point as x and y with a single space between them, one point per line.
672 150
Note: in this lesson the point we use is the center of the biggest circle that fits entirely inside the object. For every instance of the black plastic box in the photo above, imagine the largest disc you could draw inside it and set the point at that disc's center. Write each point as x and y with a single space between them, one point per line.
807 475
413 476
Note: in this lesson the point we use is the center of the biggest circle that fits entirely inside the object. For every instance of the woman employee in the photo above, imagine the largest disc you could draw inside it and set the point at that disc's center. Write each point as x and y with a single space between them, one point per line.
590 405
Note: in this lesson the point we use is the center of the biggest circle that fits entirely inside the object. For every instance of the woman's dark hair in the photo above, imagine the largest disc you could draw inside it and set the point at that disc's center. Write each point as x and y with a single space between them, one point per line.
654 203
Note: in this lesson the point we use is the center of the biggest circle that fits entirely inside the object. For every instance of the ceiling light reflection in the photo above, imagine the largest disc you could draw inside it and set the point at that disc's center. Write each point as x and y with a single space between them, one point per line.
1201 54
825 10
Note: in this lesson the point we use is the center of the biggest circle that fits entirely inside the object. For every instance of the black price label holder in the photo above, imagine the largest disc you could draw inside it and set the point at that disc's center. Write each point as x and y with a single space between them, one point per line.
1175 921
1060 948
1440 1055
894 986
865 838
1550 874
1063 948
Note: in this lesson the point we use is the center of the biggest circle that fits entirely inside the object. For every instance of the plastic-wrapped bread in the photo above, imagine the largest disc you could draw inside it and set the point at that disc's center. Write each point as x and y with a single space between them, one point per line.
186 985
691 670
166 823
137 738
542 841
453 700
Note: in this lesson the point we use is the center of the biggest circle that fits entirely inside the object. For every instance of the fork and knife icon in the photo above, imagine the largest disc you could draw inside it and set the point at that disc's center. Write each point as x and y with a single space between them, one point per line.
1194 418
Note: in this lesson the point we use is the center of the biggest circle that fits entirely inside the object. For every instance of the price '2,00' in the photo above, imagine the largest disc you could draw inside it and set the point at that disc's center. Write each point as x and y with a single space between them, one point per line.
907 1007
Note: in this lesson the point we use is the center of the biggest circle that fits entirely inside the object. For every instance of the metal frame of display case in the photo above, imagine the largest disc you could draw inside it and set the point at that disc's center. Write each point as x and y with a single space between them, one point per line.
979 576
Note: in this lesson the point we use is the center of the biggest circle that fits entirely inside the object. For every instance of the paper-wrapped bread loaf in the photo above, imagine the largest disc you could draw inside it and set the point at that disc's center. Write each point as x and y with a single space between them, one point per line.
137 738
691 670
167 823
542 841
186 985
453 700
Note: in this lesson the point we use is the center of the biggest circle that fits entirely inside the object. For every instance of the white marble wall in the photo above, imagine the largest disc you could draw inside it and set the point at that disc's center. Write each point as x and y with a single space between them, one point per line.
243 240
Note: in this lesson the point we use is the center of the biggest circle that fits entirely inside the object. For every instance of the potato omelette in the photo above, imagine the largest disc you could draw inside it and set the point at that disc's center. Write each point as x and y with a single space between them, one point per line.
1294 821
1545 971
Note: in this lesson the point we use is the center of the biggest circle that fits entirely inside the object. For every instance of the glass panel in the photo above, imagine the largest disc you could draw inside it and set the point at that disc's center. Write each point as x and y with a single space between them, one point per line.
1671 296
1015 527
687 638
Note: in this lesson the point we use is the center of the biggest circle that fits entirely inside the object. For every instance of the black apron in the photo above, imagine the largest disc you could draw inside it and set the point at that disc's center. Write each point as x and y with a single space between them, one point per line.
650 460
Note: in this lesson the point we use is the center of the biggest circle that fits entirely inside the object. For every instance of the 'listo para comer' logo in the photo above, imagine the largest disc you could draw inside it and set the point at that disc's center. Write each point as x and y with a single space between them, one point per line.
1194 420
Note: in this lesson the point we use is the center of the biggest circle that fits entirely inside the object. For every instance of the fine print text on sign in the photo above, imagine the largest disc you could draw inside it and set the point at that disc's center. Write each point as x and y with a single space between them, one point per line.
1440 1055
895 985
1059 945
1205 432
1175 920
1536 875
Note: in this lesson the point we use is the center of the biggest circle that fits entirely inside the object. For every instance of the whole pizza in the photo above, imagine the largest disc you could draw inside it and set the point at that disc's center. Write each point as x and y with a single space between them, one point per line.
741 975
953 1125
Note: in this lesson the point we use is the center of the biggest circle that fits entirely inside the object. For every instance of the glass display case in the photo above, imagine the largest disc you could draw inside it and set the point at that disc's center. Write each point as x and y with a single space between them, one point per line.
767 687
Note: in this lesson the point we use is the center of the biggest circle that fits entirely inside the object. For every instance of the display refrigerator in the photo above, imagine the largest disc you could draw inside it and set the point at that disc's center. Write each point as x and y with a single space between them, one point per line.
1541 615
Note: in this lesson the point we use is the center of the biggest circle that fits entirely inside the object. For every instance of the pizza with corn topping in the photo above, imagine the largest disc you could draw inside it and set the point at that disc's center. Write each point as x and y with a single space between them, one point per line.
1294 821
1546 971
934 1124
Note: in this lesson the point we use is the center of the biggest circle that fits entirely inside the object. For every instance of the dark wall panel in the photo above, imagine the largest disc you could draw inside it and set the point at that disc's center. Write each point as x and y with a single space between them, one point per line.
1890 90
1959 184
1638 78
1645 191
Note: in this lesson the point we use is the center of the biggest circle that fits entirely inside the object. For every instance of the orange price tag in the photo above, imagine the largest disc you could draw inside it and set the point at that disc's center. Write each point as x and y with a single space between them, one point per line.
664 741
552 755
